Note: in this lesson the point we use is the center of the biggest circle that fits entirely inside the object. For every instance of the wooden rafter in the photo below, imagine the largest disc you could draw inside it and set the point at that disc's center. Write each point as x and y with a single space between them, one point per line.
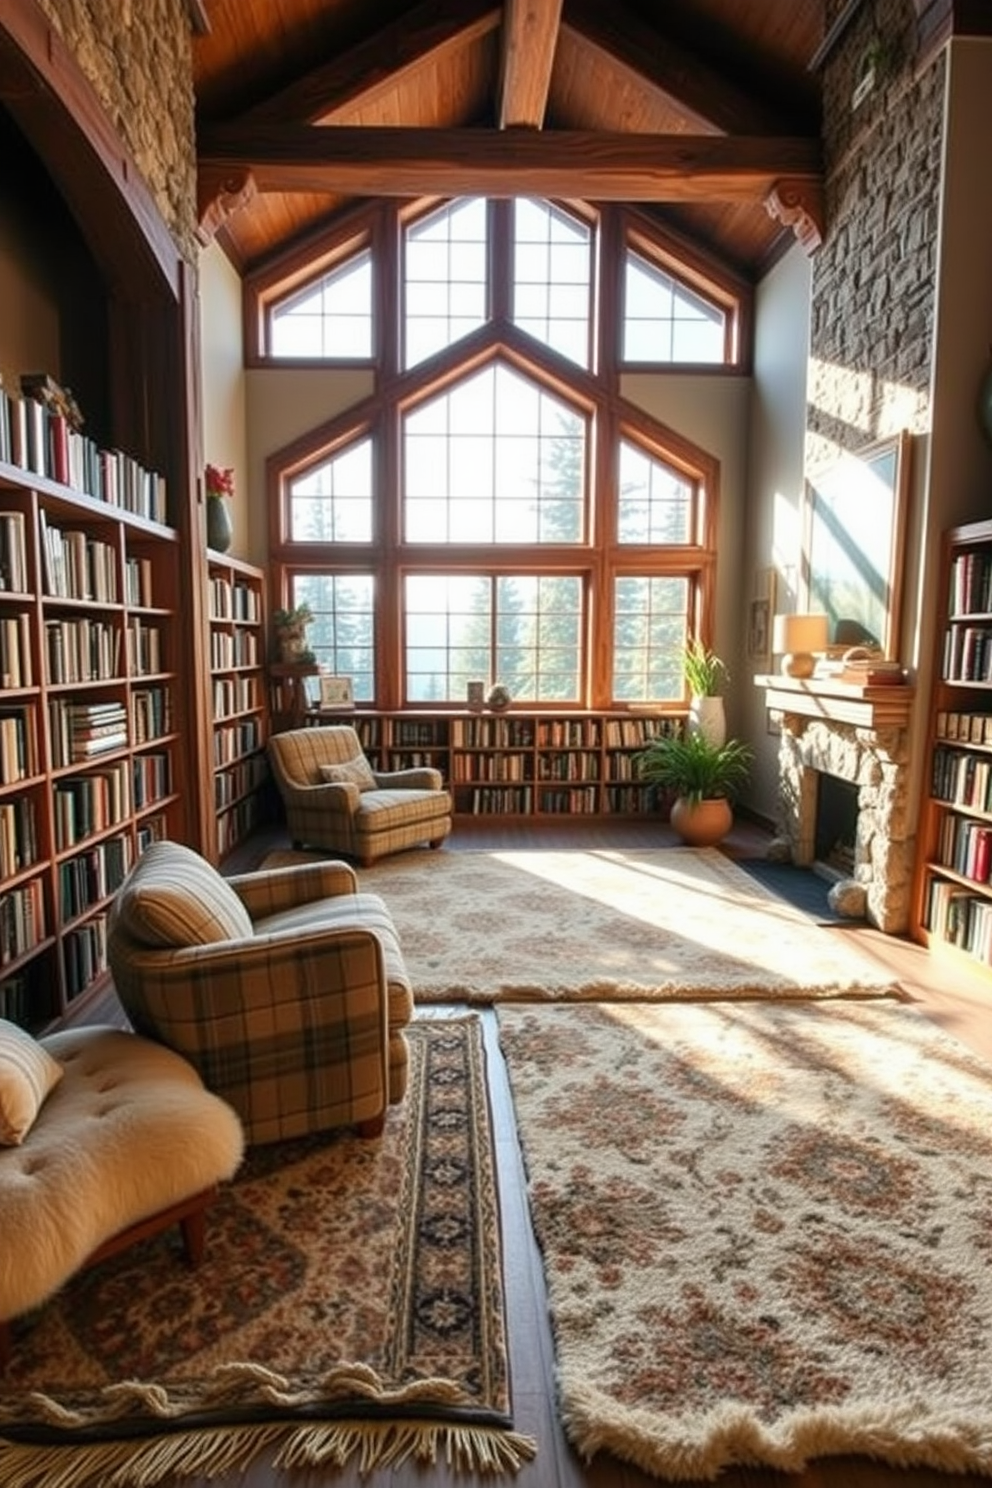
343 160
530 31
378 64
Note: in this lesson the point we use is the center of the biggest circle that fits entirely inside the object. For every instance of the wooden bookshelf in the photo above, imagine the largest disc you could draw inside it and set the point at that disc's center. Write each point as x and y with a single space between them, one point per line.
237 631
520 763
91 715
953 882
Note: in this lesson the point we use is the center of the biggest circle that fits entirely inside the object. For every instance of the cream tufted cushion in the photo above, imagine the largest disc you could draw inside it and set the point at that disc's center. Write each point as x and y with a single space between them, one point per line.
354 772
27 1074
178 899
128 1131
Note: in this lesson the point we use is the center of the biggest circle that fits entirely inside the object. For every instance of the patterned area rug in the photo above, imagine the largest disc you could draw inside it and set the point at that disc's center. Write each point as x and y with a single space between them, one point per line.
766 1230
587 925
349 1305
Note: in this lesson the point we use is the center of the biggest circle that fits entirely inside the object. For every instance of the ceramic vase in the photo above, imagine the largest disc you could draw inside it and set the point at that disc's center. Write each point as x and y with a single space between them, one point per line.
220 529
708 717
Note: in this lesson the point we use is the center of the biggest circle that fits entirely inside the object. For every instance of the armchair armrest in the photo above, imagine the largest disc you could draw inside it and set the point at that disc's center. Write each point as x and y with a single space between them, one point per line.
326 795
424 777
269 890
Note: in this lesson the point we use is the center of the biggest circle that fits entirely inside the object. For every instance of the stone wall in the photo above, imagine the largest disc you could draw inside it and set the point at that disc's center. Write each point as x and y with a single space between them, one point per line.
876 761
874 279
136 54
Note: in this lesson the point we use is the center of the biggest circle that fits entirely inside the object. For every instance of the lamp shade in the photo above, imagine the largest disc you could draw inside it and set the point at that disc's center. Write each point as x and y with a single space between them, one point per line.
795 638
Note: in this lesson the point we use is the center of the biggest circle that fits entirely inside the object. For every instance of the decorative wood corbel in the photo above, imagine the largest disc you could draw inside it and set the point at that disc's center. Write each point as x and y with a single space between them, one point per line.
219 194
798 203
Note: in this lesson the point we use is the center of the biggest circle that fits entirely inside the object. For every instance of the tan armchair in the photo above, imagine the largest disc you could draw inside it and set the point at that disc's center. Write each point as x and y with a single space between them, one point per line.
336 801
285 989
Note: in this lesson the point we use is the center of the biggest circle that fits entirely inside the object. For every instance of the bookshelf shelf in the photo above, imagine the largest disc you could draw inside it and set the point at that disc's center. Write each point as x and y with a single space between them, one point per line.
953 887
236 616
87 630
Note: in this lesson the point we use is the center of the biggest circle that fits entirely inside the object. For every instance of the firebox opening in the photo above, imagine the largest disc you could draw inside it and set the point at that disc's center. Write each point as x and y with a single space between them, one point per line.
835 834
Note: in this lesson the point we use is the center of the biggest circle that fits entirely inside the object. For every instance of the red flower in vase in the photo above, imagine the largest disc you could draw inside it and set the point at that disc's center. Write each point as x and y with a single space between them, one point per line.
219 482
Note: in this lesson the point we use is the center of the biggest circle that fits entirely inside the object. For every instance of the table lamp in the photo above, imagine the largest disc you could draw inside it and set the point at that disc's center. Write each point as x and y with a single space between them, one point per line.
796 637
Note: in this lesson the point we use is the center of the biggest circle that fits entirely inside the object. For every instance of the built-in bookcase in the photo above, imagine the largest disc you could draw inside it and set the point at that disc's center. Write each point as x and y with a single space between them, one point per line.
236 610
518 763
954 876
90 720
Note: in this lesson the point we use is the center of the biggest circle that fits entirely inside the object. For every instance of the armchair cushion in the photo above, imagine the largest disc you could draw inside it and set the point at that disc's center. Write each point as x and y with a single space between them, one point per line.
179 899
357 771
27 1075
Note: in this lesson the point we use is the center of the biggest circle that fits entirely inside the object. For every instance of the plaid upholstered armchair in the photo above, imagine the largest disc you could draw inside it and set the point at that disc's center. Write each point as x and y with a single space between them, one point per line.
336 801
285 988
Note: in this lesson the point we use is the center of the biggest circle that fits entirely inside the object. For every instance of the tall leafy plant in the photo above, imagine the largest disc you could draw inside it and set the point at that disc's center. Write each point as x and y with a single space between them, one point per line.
705 673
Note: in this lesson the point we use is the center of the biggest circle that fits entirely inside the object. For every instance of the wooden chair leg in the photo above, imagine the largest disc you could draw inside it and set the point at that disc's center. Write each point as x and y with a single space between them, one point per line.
373 1128
194 1228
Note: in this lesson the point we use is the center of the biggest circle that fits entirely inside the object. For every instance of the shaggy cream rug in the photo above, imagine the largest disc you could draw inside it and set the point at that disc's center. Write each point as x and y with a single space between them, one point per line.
576 925
766 1231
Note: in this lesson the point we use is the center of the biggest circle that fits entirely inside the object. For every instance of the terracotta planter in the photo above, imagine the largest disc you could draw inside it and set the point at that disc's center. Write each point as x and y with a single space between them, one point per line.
703 823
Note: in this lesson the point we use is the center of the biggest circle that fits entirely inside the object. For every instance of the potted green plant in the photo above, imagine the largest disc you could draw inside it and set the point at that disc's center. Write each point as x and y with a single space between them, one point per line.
704 778
705 674
290 628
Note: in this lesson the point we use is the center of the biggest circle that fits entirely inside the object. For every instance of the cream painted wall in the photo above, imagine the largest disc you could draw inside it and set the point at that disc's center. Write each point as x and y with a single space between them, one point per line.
282 404
223 386
774 482
712 411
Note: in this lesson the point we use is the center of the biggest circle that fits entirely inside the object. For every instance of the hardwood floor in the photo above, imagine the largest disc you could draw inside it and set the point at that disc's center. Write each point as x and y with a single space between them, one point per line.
954 999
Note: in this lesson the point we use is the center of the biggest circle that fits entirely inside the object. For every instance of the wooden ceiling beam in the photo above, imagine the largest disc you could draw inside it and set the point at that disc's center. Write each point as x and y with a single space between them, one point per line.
530 33
352 161
706 95
377 65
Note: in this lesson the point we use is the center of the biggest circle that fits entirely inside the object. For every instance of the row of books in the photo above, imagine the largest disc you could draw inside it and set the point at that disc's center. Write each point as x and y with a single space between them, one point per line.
966 728
960 918
152 777
578 802
232 741
971 583
967 654
18 840
14 576
504 767
237 650
24 1002
138 581
966 846
143 649
22 920
41 441
77 565
84 731
18 746
84 955
492 733
89 803
235 824
240 780
572 765
16 669
151 713
234 695
93 876
962 779
81 650
234 601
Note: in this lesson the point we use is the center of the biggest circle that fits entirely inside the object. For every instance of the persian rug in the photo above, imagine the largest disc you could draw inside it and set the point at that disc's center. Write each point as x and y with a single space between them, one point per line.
579 925
766 1231
349 1306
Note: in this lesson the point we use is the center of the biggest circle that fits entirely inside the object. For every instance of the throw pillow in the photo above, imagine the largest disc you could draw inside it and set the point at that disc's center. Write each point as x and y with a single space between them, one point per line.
27 1074
173 897
357 771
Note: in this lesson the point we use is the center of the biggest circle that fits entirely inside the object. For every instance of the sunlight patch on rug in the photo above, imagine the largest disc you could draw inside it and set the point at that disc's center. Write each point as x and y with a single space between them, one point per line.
349 1306
766 1231
581 925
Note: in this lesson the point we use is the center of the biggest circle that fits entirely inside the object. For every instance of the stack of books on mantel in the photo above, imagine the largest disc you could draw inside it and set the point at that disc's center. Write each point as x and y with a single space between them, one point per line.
863 671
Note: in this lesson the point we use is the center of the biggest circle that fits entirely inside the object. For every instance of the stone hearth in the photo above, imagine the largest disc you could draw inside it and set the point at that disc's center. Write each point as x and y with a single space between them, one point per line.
873 756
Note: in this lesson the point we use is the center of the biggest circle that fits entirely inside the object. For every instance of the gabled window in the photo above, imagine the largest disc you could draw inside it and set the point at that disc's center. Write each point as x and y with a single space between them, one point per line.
445 279
332 502
495 459
666 320
330 319
656 503
552 255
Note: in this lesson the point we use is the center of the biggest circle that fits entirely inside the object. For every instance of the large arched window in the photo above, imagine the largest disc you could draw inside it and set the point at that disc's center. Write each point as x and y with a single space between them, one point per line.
495 509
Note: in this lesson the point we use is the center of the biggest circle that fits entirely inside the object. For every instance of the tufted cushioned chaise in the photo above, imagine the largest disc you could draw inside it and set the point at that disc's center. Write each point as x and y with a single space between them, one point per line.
336 801
284 988
127 1142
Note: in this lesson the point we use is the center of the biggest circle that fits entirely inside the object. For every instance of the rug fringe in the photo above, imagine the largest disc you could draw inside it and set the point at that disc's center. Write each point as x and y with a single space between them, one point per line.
213 1453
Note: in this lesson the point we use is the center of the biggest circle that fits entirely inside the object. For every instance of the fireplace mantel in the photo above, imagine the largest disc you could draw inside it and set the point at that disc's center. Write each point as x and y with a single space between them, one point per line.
823 698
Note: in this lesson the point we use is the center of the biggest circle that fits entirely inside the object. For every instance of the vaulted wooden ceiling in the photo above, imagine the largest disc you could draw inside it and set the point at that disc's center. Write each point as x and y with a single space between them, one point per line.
708 110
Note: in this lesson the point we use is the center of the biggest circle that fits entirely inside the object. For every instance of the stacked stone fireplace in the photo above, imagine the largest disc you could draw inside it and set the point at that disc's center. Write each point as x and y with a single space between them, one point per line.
875 762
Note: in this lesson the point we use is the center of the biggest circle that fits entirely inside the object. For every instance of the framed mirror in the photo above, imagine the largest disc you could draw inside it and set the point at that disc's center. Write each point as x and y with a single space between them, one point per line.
855 523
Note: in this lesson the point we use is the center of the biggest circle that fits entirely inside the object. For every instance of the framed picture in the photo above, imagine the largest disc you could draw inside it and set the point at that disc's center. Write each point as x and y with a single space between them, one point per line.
759 620
336 692
855 523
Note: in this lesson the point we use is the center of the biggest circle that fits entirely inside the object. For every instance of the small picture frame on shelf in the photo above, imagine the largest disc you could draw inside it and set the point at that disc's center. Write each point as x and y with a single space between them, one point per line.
336 694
